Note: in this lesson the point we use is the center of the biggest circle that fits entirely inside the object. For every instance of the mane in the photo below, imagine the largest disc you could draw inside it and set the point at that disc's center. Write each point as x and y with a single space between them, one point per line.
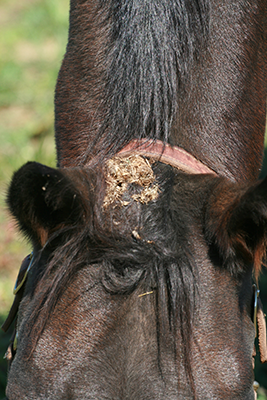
159 260
149 57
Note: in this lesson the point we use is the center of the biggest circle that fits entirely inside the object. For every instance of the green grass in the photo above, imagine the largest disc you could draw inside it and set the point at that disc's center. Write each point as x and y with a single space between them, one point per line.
35 36
33 40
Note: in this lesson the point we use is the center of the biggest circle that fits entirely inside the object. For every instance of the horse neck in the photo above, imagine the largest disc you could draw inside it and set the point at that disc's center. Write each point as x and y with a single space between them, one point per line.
221 114
200 87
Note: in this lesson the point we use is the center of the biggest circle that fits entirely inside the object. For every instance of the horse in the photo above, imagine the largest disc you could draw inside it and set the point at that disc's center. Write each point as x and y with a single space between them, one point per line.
149 234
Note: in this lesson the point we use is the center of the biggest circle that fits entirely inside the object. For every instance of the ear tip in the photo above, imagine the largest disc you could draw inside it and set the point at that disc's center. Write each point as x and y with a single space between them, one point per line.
37 167
43 196
27 172
23 185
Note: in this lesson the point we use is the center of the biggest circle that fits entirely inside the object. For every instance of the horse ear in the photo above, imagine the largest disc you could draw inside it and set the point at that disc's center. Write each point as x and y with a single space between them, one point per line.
237 224
41 199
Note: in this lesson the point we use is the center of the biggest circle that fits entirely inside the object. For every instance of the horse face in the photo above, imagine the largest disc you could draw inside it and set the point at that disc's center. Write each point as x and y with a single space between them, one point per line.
137 300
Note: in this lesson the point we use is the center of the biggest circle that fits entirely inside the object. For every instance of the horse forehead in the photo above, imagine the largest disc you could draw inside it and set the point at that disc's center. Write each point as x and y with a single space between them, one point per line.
85 335
89 336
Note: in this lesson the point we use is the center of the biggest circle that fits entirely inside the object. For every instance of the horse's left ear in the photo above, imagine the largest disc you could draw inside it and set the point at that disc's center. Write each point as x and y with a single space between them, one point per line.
42 199
236 224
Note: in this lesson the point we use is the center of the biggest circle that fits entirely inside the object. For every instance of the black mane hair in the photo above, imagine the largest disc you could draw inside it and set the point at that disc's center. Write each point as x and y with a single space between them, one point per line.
151 49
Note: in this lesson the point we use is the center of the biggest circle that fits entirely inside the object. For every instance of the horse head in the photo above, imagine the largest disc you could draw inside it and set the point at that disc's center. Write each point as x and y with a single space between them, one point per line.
140 285
136 282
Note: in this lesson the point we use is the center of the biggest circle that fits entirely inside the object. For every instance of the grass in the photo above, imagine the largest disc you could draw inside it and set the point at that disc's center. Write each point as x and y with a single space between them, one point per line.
35 34
33 39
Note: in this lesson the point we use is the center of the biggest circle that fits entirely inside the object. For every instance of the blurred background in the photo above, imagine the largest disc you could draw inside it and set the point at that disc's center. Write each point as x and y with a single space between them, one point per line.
33 41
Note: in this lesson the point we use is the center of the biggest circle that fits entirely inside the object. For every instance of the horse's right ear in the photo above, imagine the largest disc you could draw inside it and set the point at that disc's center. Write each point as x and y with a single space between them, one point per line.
236 224
42 199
